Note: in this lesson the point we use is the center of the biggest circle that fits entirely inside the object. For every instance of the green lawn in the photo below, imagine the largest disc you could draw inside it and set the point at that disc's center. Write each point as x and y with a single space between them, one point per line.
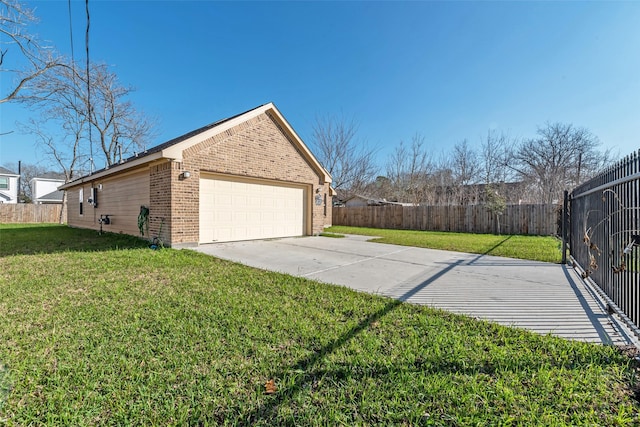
119 334
537 248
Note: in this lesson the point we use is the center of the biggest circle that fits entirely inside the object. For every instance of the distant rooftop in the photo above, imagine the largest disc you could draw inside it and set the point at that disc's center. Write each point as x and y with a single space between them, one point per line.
5 171
54 196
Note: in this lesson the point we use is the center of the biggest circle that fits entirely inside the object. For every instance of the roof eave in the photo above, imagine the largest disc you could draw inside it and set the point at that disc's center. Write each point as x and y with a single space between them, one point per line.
113 169
175 152
275 113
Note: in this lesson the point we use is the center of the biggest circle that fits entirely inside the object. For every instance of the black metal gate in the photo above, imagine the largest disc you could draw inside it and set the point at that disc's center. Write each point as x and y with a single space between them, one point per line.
604 235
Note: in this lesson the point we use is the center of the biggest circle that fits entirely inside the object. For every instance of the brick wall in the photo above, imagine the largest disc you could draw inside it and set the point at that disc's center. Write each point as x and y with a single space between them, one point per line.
256 148
161 193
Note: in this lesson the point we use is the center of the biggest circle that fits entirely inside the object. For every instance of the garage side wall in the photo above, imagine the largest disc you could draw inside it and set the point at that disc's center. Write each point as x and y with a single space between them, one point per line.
161 189
119 197
256 148
322 214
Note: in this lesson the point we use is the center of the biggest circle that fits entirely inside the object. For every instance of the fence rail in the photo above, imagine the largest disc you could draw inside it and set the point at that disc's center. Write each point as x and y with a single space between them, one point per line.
604 234
516 219
26 212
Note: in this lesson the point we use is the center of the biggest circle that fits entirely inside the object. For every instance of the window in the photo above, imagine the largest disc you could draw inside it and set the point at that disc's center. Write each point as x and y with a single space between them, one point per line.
4 183
81 196
325 204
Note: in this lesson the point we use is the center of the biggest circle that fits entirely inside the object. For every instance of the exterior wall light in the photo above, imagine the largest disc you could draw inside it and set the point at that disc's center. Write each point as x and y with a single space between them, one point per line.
185 175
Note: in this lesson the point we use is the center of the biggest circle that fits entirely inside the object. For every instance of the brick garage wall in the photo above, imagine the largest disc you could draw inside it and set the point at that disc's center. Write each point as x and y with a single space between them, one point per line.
324 212
185 206
161 177
256 148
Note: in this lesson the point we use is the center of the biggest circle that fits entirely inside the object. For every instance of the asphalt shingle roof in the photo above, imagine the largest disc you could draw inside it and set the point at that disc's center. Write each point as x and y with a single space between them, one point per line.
6 171
54 195
181 138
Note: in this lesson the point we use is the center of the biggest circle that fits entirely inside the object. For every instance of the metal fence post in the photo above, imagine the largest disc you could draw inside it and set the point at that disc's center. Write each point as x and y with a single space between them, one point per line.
565 225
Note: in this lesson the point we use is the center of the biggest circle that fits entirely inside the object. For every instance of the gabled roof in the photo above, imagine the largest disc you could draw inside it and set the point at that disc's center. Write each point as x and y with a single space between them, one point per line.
54 196
39 179
49 176
173 148
5 171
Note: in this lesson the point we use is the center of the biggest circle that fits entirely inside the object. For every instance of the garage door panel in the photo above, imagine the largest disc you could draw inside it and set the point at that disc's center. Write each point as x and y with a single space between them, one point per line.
231 210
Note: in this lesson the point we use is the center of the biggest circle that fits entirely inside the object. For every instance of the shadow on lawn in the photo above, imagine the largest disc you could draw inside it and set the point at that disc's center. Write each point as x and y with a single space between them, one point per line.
311 365
267 410
497 245
31 240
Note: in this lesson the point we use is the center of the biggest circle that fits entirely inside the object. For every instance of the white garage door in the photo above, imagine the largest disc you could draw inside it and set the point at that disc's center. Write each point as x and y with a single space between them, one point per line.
236 210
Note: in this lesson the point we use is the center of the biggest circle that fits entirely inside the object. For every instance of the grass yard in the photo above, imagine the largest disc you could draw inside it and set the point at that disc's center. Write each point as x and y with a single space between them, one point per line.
537 248
101 330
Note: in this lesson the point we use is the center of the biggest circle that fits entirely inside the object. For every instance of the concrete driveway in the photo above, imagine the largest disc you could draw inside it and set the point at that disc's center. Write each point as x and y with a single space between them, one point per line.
541 297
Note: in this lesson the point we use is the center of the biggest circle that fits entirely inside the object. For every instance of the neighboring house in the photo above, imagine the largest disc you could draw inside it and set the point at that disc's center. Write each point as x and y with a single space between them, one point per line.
8 186
45 190
246 177
357 200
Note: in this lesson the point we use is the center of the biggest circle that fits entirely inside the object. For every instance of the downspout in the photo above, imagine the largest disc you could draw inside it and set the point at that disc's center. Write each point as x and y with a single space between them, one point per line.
19 180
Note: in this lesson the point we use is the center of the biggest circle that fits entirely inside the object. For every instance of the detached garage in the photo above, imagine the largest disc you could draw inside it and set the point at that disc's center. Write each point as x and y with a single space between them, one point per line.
246 177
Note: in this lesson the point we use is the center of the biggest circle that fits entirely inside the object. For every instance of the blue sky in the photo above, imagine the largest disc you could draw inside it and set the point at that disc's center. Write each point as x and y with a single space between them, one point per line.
446 70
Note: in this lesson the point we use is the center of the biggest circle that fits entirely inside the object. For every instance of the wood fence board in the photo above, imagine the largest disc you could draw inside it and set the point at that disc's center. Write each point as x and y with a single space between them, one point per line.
16 213
516 219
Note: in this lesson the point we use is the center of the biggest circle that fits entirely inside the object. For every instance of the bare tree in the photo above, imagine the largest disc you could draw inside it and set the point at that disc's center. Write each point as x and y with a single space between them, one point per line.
119 126
103 116
350 162
380 188
495 159
466 171
22 55
465 164
495 156
560 157
409 169
441 179
62 150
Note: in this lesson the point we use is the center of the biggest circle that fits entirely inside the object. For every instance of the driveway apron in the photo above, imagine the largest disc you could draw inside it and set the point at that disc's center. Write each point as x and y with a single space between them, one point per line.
541 297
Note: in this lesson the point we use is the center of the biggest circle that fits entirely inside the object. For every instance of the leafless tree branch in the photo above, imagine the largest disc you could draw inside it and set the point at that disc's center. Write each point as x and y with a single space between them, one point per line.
349 162
14 20
561 157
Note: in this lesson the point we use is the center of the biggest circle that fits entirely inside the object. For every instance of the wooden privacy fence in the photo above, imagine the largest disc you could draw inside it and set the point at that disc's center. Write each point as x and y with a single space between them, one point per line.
27 212
516 219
